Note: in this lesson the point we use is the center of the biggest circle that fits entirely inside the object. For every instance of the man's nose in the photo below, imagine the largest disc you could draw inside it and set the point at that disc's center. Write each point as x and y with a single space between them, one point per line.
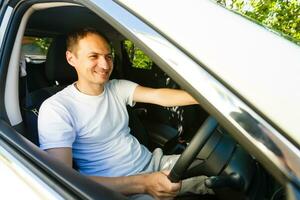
103 63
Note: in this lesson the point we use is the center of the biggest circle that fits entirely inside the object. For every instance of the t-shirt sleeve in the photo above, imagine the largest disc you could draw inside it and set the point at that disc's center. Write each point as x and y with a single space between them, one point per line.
125 90
54 126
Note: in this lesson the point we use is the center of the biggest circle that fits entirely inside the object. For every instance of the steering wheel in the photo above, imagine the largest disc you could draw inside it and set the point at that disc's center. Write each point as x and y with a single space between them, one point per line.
192 150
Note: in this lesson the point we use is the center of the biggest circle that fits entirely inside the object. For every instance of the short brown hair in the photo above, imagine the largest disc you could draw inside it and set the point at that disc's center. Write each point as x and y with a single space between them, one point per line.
74 37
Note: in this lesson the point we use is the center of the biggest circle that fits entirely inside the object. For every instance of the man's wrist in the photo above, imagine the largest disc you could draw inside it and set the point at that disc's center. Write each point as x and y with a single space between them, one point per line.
143 180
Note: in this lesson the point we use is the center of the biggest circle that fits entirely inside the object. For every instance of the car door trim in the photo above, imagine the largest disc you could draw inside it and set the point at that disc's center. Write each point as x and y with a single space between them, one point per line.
31 182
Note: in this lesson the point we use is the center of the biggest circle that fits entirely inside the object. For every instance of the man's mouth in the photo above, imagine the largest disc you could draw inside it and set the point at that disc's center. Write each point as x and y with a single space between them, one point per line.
102 73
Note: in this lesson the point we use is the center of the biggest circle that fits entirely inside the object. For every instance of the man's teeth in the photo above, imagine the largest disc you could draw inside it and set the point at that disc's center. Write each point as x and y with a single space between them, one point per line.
101 72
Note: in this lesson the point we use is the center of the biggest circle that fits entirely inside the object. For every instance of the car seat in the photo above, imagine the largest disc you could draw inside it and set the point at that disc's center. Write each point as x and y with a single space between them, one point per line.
59 74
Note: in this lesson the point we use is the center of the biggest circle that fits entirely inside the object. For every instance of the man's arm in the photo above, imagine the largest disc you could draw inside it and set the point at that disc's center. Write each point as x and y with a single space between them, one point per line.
164 96
63 154
156 184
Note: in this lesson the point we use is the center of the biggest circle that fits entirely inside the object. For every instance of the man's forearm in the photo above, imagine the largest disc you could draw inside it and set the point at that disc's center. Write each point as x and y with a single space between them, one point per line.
165 96
126 184
156 184
173 97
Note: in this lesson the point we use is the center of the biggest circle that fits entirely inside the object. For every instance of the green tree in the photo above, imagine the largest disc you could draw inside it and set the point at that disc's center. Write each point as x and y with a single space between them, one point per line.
281 16
43 43
136 56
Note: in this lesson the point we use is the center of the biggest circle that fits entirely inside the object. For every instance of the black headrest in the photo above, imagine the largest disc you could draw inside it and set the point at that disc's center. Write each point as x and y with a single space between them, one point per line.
57 68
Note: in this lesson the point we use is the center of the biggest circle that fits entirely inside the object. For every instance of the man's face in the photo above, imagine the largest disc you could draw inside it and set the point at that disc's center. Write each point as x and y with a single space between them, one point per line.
92 60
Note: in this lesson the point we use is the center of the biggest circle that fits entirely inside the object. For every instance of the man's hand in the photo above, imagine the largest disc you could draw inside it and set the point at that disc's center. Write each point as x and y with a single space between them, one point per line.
160 187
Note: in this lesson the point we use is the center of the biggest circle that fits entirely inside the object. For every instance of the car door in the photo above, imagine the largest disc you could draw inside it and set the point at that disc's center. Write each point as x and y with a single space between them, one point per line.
37 161
23 166
12 162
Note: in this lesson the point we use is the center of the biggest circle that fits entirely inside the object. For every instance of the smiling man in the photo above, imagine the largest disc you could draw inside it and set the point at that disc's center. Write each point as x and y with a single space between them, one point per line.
88 122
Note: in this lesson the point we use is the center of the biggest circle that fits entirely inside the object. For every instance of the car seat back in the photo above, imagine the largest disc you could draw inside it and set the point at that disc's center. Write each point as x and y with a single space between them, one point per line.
59 74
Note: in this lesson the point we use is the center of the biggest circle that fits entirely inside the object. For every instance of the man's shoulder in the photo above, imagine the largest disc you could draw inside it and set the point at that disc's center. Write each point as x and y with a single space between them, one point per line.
61 97
111 84
119 83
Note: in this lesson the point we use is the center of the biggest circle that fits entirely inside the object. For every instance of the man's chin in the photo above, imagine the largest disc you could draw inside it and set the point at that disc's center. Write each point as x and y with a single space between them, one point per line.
102 80
102 76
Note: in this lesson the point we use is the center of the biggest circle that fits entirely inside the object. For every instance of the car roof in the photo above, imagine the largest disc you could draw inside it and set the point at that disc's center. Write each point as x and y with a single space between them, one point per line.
260 66
68 22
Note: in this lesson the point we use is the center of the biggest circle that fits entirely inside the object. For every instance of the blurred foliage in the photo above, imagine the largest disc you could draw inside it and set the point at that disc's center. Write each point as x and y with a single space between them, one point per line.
281 16
136 56
43 43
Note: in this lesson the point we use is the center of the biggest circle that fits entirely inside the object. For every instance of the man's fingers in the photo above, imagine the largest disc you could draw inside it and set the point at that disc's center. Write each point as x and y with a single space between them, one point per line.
164 195
161 187
175 187
171 187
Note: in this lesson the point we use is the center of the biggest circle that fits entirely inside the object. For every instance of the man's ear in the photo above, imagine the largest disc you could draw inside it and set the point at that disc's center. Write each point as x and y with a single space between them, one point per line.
71 58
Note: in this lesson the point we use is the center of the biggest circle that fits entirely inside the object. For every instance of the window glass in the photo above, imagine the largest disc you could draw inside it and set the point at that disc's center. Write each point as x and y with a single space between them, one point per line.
136 56
281 16
35 47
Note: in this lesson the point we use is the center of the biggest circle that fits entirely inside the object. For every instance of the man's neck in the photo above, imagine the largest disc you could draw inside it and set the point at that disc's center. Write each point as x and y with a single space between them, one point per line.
89 89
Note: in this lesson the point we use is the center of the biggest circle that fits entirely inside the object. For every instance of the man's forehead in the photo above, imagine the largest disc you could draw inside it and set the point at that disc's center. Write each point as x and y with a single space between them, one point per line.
99 53
94 44
95 38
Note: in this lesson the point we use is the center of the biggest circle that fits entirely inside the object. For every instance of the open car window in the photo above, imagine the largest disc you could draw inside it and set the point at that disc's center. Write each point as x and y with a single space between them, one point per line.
35 48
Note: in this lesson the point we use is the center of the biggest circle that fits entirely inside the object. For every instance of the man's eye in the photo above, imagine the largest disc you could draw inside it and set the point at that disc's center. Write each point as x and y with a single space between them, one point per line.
109 57
93 57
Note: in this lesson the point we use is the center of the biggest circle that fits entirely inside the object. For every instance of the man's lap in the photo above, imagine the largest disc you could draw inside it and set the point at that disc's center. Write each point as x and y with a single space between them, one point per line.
160 162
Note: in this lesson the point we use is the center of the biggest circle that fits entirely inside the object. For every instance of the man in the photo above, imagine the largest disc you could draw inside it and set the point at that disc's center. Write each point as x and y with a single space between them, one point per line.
88 122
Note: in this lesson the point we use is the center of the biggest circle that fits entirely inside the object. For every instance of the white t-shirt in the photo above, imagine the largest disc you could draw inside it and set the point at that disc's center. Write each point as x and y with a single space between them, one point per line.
96 128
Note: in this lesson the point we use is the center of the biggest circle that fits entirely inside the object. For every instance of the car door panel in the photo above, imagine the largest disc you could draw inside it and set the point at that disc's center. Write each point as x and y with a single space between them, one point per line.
67 183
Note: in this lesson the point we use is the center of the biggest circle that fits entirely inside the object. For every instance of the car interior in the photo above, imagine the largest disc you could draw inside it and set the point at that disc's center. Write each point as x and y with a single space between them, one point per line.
232 172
